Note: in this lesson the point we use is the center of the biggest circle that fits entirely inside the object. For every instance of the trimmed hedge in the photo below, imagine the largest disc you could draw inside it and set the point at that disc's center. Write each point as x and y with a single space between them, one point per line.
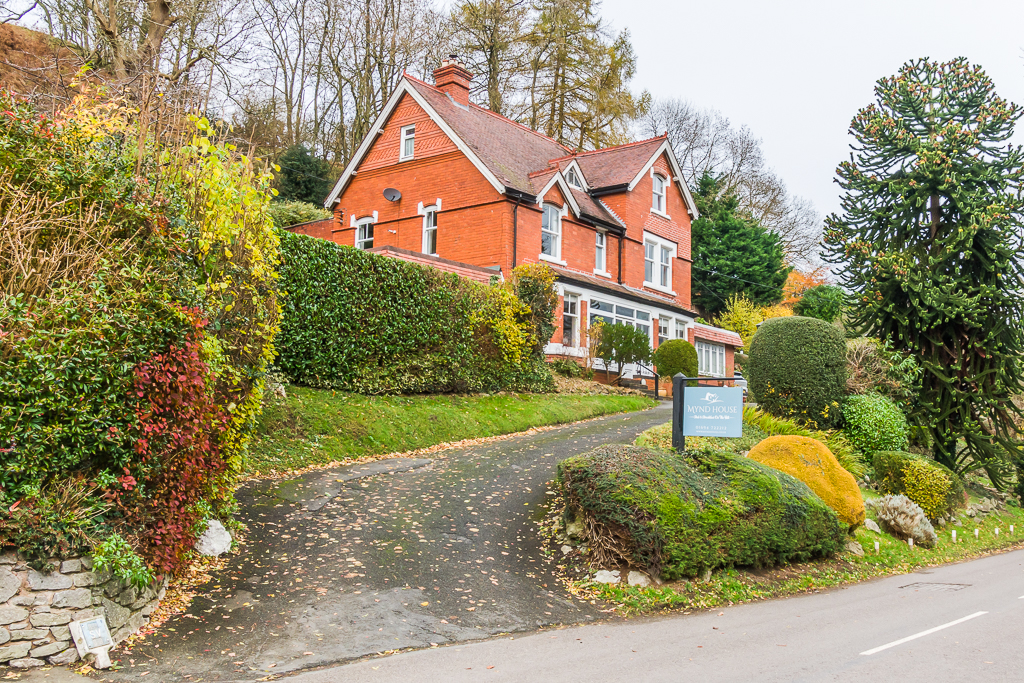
875 423
797 369
675 356
366 323
810 461
936 488
679 516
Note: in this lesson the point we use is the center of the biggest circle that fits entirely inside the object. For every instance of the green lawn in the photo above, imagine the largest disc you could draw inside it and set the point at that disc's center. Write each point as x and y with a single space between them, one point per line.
316 427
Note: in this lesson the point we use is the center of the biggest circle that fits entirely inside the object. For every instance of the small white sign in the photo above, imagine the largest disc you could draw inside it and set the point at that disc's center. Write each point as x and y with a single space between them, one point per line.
93 636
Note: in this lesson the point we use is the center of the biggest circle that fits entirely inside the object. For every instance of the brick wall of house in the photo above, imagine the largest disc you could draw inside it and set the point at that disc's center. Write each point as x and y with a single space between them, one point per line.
430 139
323 229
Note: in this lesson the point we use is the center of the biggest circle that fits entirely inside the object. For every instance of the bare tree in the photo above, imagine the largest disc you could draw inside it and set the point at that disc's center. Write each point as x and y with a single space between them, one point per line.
706 142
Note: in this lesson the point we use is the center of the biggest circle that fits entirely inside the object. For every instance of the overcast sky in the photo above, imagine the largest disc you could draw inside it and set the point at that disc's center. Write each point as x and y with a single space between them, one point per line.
796 72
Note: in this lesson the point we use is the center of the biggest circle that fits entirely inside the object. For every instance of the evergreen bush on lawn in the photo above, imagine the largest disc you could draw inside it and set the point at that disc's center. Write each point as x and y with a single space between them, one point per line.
797 369
678 516
933 486
875 423
366 323
676 356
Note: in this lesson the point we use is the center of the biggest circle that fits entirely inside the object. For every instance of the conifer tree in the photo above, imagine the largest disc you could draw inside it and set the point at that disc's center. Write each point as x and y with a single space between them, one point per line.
732 253
930 245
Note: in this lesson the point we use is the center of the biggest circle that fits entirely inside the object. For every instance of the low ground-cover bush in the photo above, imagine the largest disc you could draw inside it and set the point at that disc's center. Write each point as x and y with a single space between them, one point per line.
834 439
901 517
366 323
874 423
797 369
567 367
934 487
812 463
676 516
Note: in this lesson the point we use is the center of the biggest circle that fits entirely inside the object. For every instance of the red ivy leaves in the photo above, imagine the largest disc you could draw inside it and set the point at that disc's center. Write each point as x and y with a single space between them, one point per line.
178 443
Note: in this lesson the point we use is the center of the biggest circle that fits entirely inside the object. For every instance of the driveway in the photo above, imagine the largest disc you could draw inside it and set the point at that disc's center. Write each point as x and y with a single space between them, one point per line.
374 558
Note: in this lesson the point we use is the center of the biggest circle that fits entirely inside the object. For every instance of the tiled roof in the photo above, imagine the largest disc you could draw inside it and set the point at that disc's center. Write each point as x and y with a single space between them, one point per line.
524 159
470 272
510 150
717 335
617 165
614 288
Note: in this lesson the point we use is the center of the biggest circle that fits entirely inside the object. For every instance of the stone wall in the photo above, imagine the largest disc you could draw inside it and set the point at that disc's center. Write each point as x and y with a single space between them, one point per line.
35 609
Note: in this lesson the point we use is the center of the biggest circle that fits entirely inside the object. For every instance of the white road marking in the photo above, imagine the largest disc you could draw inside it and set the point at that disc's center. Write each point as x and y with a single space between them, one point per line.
921 634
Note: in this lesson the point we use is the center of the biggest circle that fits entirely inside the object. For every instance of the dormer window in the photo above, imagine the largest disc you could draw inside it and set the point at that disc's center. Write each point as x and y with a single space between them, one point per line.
658 194
573 179
408 143
551 232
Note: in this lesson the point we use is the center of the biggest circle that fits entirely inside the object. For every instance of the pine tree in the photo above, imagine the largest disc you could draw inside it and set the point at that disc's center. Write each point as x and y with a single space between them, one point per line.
492 40
302 177
732 253
930 245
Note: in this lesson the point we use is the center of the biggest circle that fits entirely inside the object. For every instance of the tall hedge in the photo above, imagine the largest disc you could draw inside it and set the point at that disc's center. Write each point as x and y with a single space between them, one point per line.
366 323
797 369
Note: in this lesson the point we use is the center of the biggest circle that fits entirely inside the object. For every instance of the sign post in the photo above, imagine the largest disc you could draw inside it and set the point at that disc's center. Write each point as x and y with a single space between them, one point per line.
705 410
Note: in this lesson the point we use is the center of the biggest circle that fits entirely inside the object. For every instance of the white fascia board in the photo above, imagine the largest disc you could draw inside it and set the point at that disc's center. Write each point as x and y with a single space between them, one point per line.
677 176
579 174
404 87
566 192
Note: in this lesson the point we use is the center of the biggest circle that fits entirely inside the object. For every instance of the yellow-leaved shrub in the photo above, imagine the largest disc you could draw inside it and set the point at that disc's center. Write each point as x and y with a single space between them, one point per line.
812 462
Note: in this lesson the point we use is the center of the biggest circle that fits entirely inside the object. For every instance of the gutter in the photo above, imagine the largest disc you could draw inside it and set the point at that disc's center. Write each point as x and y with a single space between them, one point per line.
520 196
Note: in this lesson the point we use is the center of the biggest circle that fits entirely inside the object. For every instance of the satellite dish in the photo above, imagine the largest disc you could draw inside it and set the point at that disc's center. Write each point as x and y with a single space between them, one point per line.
392 195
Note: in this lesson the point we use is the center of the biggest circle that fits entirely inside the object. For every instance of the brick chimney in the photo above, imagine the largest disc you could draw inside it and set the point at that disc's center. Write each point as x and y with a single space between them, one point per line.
452 78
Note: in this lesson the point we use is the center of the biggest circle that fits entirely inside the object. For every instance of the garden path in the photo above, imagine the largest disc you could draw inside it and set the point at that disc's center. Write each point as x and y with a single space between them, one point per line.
396 554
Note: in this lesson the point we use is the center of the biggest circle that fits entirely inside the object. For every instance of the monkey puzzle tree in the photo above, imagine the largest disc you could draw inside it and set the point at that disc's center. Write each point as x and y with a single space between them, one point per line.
930 244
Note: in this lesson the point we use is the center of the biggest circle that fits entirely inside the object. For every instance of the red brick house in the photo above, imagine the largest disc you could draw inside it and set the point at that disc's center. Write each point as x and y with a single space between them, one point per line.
440 178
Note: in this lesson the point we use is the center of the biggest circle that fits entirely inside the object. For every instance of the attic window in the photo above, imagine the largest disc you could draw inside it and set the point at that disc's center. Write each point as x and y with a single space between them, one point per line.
658 195
408 143
573 179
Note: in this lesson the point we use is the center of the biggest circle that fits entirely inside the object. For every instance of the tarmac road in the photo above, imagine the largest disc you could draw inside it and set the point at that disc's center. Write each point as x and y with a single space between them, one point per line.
952 624
364 559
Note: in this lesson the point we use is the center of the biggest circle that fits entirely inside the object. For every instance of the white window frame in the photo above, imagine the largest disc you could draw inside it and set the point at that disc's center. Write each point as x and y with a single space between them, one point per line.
425 211
569 300
557 213
601 254
572 179
408 135
681 329
430 230
361 224
710 359
659 200
654 248
664 322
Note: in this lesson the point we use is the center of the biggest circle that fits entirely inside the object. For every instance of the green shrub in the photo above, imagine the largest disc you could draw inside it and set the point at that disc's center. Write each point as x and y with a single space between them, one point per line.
366 323
934 487
797 369
676 517
875 423
135 329
676 356
824 302
566 367
115 555
534 284
287 213
623 344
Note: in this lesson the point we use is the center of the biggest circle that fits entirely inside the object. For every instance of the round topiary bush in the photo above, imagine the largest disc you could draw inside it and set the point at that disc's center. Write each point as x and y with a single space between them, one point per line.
875 423
797 369
934 487
812 462
675 356
678 516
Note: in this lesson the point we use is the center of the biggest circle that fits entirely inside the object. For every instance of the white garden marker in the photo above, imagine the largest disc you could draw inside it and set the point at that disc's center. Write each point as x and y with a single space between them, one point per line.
954 535
997 531
876 547
1011 528
910 542
975 534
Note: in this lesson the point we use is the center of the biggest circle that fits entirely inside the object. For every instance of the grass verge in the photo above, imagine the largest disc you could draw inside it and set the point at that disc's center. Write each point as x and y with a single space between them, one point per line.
736 585
317 427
